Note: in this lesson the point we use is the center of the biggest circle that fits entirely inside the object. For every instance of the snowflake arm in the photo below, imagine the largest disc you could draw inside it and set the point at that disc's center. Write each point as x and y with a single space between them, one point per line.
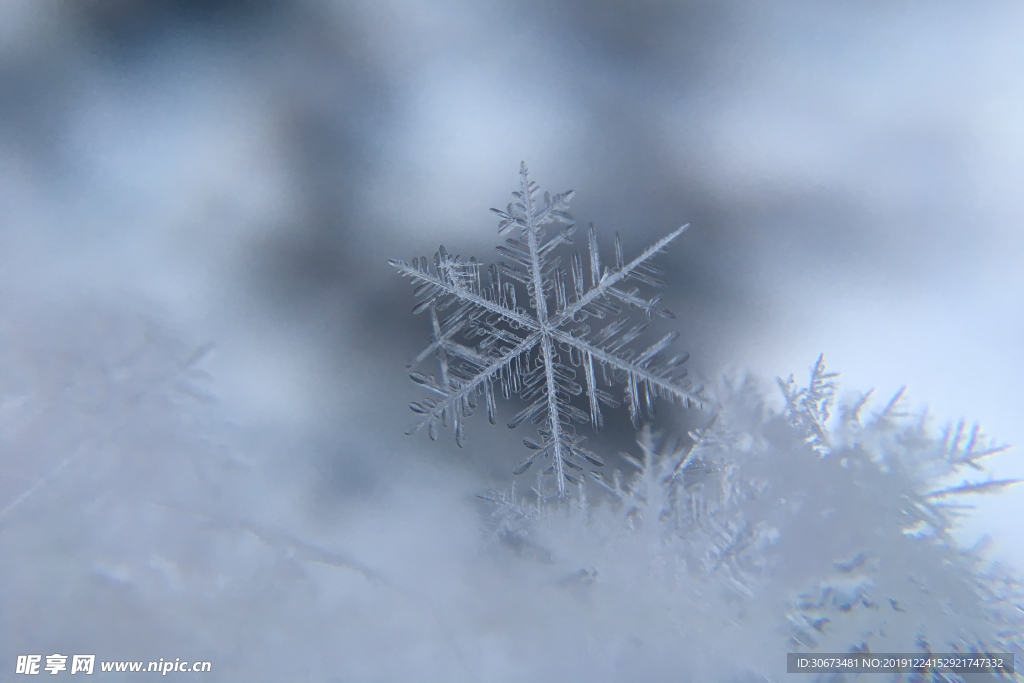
458 393
451 281
604 284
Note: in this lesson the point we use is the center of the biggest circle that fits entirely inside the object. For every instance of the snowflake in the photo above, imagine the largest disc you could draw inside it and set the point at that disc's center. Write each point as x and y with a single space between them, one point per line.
488 340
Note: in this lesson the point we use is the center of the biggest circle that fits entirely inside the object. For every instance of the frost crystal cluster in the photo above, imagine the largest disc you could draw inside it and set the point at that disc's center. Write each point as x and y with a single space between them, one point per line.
571 340
826 526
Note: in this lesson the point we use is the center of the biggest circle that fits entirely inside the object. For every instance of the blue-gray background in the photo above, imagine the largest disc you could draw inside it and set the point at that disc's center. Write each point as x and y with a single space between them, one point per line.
241 171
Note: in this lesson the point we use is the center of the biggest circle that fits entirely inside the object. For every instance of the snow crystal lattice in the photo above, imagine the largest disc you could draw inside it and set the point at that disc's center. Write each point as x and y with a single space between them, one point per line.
489 339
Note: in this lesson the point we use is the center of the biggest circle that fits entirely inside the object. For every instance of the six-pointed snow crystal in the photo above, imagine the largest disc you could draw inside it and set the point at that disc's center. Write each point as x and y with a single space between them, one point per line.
570 340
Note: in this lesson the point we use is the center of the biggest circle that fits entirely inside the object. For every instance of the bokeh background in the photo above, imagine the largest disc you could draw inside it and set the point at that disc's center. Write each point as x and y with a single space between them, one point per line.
239 172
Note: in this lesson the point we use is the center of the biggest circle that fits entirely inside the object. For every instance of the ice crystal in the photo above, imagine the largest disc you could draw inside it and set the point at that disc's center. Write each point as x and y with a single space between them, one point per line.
818 534
546 353
808 409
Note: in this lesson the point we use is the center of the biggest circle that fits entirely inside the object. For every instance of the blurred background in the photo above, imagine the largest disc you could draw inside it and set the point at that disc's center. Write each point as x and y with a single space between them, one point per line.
240 171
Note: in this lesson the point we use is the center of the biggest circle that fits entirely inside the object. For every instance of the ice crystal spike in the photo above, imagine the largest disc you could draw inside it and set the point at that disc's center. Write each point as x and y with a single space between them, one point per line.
570 344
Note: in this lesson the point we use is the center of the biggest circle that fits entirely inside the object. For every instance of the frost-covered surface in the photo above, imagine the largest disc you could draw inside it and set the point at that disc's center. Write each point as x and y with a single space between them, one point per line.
772 532
545 357
139 522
